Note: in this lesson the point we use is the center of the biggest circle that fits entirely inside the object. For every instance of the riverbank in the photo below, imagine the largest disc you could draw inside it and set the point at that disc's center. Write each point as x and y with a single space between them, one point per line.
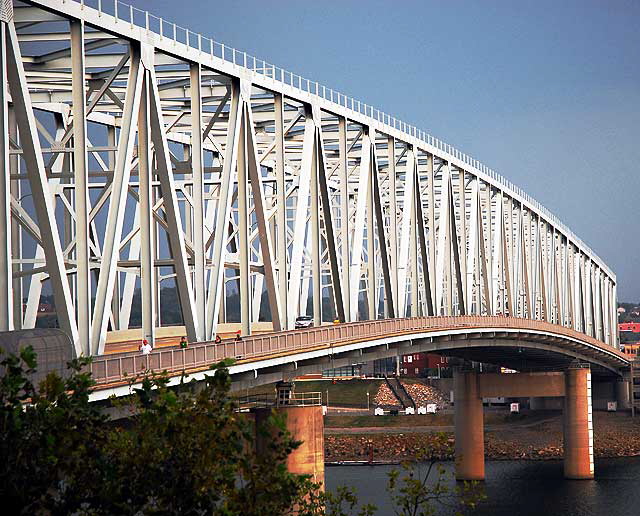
534 436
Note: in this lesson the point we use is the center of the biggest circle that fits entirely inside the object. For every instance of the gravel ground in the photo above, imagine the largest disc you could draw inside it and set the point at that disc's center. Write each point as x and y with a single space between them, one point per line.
615 435
421 394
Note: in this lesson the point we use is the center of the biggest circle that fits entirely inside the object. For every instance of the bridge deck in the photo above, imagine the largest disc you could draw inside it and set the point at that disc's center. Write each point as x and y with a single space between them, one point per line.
118 369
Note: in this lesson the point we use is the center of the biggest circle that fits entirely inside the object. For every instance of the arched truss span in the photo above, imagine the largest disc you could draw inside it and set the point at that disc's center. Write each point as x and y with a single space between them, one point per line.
142 159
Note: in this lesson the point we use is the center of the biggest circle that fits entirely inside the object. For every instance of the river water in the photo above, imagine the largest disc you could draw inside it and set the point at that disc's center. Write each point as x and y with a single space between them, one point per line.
520 488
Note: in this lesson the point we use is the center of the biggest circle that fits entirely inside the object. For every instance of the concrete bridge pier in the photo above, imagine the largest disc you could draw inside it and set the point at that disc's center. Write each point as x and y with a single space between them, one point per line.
304 420
623 394
469 426
574 385
578 425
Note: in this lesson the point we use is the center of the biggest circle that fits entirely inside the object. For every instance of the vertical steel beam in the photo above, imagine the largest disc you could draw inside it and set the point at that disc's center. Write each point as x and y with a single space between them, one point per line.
39 186
473 265
6 266
489 249
16 230
281 214
481 258
316 265
372 281
197 167
81 189
244 250
413 240
463 232
219 247
431 227
145 194
393 227
498 264
300 222
506 265
344 215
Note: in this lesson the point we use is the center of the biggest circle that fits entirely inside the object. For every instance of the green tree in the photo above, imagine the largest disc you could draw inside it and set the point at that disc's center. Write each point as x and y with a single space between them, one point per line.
181 451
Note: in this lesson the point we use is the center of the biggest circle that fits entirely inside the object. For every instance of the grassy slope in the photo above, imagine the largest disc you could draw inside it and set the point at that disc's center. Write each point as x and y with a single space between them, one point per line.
346 393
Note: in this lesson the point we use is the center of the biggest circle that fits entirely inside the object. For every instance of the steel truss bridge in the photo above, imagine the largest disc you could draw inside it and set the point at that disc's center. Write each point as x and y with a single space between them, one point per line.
138 155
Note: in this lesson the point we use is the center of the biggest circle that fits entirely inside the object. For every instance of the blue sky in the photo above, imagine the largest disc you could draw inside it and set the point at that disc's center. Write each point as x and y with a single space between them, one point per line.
546 93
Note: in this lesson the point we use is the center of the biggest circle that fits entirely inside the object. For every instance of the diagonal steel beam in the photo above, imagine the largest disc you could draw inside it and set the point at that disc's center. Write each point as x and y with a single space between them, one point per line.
39 186
115 217
172 210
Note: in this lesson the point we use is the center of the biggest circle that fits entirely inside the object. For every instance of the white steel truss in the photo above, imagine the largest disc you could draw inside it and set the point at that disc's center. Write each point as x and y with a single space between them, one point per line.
135 156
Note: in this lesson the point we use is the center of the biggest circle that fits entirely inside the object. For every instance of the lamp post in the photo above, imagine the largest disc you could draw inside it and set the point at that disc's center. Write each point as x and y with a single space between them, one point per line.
367 400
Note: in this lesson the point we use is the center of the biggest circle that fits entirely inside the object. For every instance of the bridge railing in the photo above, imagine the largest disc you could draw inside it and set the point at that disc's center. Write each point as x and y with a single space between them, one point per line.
125 367
125 13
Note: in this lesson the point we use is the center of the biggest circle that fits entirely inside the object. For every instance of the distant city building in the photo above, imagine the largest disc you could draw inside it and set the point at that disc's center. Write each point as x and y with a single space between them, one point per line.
422 364
633 327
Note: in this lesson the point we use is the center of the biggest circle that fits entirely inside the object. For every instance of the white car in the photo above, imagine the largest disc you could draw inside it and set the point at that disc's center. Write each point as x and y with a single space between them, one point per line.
304 321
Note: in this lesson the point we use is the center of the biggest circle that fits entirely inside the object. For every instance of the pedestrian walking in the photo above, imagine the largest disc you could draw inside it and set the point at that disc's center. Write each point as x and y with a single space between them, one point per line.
145 347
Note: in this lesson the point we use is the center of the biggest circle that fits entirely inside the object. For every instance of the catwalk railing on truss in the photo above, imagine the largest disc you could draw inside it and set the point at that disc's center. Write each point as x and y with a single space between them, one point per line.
165 29
124 367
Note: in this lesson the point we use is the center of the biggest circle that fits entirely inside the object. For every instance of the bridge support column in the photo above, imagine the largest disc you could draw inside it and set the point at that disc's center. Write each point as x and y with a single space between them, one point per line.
469 427
622 394
578 425
305 424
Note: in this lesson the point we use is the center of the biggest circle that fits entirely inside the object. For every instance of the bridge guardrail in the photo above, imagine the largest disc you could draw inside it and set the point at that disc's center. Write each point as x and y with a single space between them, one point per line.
122 367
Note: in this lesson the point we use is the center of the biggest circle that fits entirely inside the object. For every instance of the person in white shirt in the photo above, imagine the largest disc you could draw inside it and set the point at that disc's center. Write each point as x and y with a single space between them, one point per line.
145 347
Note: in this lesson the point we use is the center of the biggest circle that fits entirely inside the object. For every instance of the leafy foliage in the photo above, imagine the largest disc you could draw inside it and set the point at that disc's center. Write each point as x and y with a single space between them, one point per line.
415 491
181 450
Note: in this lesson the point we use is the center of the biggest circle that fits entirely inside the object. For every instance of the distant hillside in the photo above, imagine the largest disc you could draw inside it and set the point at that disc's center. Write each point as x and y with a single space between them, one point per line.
631 312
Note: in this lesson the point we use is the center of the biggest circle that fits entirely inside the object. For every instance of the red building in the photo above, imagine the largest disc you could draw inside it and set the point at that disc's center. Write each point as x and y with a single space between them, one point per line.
421 364
630 337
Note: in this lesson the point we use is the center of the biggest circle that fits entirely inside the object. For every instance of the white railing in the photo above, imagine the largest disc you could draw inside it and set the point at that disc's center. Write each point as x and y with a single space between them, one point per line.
126 13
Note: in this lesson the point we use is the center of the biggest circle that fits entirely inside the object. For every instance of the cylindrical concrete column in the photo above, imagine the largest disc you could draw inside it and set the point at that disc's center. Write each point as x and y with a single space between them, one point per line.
307 425
622 394
469 427
578 425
